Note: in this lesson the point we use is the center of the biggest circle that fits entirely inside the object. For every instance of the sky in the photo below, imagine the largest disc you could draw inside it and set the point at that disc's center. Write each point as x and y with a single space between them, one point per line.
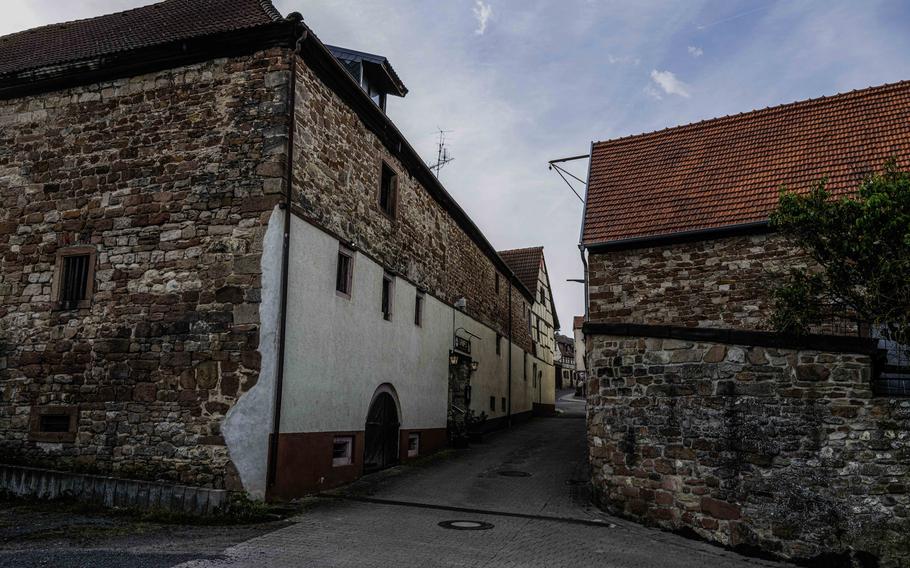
521 82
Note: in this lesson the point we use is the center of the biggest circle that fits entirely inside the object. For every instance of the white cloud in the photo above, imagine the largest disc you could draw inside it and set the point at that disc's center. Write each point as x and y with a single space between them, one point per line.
652 92
695 51
623 59
483 12
668 82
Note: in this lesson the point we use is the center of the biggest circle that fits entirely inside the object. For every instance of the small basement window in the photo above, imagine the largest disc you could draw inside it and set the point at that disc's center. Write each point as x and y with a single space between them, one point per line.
387 280
53 424
413 444
388 190
344 272
342 450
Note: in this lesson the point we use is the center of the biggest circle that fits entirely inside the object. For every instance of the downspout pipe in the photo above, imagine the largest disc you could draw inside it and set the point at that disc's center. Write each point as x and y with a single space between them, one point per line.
581 234
300 33
509 347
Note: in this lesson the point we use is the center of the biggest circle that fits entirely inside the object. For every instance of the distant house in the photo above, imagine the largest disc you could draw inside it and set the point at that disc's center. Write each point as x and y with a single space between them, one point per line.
580 348
565 362
530 267
702 417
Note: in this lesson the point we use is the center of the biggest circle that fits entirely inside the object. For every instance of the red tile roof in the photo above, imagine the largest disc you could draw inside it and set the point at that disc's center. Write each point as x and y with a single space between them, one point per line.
728 171
525 263
147 26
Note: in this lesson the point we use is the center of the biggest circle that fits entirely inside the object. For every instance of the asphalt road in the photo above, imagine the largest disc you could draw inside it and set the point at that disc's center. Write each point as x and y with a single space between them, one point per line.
523 490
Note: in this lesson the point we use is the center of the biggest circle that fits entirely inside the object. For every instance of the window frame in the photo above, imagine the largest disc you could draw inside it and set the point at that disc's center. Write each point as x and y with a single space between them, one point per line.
36 434
419 305
348 459
386 296
392 211
415 436
344 251
57 282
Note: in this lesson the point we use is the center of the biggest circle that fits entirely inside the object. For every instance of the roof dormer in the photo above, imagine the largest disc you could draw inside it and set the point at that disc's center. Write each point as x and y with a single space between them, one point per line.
373 73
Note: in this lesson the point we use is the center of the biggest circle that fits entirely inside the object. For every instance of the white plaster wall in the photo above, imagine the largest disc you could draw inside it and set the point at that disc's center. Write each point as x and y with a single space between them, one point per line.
248 423
579 350
340 350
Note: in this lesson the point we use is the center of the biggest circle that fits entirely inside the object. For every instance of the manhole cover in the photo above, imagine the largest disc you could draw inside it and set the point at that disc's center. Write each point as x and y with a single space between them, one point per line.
466 525
513 473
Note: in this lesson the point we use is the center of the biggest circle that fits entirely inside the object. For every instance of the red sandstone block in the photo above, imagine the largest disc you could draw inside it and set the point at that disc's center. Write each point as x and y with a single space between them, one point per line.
719 509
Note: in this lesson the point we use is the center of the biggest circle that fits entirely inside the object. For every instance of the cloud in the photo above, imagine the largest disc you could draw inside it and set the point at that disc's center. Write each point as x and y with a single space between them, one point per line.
669 84
622 59
483 12
695 51
652 92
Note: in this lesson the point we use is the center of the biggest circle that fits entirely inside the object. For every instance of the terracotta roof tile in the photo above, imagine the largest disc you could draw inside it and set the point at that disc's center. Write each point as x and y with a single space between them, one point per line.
525 263
729 171
146 26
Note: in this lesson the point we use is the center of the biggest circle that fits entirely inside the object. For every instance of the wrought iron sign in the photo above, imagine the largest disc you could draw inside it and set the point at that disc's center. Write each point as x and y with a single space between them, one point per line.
463 344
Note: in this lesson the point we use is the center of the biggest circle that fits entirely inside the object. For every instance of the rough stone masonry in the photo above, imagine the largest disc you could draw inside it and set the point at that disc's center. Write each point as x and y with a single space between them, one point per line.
170 178
787 450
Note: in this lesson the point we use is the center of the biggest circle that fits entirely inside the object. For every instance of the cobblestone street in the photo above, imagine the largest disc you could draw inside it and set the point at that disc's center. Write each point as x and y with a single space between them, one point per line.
541 519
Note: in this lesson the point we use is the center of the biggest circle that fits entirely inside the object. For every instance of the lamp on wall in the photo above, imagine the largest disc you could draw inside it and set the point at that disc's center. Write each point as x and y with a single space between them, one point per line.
453 358
474 365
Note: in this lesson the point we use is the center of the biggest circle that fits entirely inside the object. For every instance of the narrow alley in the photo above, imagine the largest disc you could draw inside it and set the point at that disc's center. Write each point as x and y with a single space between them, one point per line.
518 499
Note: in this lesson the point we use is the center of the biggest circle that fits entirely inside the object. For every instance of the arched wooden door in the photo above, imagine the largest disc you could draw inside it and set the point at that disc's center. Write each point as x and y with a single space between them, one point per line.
381 444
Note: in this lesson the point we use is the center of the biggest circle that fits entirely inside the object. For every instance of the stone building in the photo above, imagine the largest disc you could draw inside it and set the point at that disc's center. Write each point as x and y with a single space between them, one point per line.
530 267
222 265
701 417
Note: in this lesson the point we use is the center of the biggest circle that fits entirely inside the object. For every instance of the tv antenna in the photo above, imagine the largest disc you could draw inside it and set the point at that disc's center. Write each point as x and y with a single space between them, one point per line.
442 153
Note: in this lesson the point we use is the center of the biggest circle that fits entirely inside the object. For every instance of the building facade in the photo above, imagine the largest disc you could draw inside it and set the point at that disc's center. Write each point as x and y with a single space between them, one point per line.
701 417
566 375
530 267
222 265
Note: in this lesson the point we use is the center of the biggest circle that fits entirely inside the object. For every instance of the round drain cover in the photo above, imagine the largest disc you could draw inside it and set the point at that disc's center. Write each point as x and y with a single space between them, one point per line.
514 473
466 525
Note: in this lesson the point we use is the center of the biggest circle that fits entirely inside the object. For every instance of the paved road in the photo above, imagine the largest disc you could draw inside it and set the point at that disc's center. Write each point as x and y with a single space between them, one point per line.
392 519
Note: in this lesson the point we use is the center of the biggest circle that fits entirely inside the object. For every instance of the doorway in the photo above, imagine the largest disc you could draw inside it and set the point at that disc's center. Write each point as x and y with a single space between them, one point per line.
381 436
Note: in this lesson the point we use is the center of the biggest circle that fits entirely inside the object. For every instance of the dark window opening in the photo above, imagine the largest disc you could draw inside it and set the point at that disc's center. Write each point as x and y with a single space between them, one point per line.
74 283
497 283
387 297
498 344
342 450
344 273
492 404
418 309
388 191
54 423
503 404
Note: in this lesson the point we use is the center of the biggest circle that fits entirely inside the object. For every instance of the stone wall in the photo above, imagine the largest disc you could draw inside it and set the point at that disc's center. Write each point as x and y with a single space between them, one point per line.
336 184
784 450
170 177
710 283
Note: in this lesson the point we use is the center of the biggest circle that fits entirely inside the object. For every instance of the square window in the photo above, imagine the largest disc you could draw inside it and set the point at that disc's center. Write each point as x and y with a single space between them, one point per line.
344 272
74 278
388 191
53 423
413 444
387 280
418 309
342 450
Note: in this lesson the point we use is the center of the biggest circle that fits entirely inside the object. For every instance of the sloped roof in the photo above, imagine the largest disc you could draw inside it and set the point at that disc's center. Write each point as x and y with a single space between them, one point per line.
728 171
160 23
525 263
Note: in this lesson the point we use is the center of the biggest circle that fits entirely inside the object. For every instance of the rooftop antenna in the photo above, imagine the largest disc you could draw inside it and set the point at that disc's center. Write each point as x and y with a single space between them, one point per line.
442 153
